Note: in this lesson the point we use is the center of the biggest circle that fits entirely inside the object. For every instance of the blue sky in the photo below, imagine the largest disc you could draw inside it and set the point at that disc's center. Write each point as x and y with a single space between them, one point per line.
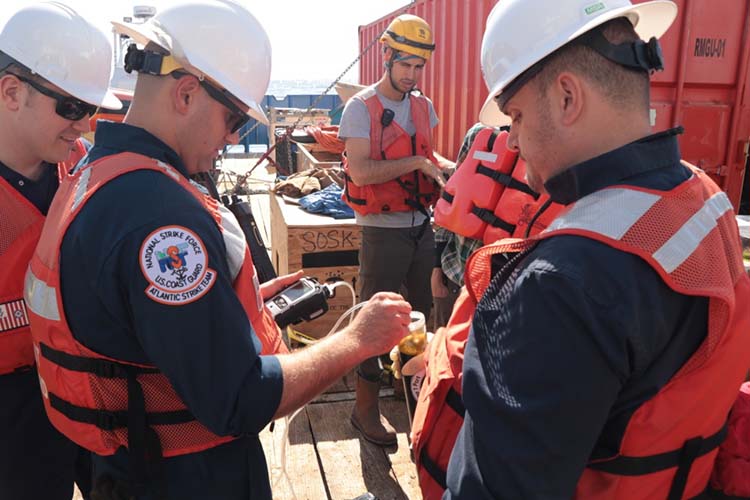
311 39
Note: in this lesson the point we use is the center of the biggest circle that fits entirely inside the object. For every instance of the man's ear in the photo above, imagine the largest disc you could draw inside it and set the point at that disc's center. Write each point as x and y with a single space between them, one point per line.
184 93
387 56
11 92
569 95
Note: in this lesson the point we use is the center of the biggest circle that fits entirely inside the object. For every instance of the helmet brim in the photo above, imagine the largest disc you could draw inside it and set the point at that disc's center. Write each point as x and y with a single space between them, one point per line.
111 101
144 33
649 19
255 110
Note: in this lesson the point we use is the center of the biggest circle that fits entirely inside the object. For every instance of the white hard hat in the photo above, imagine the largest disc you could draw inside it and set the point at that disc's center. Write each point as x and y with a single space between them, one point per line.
55 42
220 39
520 33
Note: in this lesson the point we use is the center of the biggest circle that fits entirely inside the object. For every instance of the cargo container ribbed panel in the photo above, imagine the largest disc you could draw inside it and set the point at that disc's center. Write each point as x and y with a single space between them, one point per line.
704 87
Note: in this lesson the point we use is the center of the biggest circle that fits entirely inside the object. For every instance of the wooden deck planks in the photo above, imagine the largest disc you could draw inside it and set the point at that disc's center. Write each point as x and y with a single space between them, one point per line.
351 465
303 479
401 461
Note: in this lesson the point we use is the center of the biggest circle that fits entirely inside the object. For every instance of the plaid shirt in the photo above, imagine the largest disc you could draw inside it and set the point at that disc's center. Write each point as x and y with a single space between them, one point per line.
456 249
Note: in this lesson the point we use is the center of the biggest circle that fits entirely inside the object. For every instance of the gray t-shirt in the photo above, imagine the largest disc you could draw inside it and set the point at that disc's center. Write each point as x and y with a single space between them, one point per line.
355 124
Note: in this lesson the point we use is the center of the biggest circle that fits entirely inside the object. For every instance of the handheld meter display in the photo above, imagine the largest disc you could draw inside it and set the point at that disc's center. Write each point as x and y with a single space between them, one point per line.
303 300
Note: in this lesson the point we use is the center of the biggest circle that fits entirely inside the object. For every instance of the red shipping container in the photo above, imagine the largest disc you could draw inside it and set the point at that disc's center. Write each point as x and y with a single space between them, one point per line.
705 86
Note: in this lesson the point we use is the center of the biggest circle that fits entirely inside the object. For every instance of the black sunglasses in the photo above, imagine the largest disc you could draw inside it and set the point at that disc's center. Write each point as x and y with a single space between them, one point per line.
68 107
240 118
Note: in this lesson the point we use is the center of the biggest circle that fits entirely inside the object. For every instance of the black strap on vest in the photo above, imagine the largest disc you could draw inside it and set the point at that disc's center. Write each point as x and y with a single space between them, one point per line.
490 218
455 402
99 367
414 197
144 447
491 140
432 468
349 197
536 216
112 420
507 181
487 215
682 459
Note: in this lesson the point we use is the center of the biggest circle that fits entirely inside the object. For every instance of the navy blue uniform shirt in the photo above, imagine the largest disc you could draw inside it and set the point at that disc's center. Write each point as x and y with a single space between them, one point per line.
564 350
207 347
39 192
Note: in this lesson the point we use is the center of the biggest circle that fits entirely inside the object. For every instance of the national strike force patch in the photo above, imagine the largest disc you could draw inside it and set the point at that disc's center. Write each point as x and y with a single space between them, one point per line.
174 262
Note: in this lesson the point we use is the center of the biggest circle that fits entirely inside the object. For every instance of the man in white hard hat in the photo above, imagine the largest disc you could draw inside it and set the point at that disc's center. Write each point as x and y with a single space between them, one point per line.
604 357
392 177
54 73
155 349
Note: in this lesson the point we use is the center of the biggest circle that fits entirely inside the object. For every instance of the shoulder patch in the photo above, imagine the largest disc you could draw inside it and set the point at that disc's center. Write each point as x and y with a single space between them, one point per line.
173 260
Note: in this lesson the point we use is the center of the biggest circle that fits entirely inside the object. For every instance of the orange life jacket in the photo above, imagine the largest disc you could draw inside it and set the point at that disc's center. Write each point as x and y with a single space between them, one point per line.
21 224
103 403
731 474
411 191
487 198
441 405
689 236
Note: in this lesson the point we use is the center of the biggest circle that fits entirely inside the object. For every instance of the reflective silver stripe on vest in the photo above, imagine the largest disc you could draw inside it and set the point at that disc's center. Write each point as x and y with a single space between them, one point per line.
40 298
81 188
173 173
609 212
684 242
485 156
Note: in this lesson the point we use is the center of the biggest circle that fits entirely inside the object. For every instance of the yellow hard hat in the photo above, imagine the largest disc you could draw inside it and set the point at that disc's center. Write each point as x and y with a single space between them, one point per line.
410 34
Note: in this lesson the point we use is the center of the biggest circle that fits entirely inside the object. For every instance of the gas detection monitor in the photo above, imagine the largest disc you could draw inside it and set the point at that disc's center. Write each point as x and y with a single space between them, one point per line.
304 300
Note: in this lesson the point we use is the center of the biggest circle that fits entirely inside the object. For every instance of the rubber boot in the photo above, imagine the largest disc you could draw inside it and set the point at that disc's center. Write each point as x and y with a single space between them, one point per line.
366 417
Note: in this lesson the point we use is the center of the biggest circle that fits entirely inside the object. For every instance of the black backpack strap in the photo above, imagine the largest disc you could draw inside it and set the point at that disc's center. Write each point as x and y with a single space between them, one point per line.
261 261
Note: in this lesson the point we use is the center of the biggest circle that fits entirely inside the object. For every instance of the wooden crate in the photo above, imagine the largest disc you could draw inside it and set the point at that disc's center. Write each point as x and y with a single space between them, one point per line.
314 156
323 247
285 117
